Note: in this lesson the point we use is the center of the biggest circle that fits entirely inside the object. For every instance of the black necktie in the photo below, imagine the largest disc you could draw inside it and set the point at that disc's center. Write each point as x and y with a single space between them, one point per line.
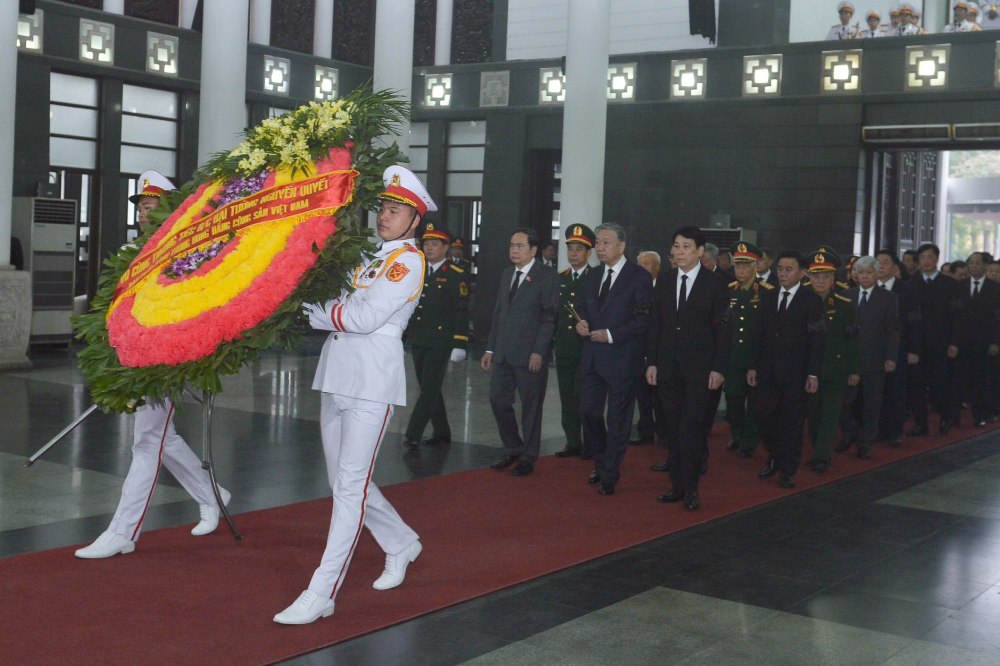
975 288
606 286
514 286
784 302
576 276
864 301
683 296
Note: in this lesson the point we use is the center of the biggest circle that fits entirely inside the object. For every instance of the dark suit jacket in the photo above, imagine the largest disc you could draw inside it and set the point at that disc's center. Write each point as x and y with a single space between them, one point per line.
910 321
977 322
789 349
698 339
938 306
878 329
625 313
525 326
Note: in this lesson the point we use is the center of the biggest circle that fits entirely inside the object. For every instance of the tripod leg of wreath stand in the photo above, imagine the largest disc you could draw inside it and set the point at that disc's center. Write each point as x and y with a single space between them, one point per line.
207 401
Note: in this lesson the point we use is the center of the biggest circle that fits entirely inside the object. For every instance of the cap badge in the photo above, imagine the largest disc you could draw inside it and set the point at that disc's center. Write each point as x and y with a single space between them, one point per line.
395 180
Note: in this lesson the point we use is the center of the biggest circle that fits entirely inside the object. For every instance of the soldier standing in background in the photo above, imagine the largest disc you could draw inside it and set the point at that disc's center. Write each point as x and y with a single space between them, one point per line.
568 343
744 300
438 332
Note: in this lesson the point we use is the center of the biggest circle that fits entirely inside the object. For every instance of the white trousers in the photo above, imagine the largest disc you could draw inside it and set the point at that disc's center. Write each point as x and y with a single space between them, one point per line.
155 442
352 430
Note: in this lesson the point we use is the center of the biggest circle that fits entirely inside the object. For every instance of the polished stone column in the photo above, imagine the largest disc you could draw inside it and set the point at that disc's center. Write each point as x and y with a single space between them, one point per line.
442 32
15 286
186 12
222 107
260 21
394 54
323 29
584 116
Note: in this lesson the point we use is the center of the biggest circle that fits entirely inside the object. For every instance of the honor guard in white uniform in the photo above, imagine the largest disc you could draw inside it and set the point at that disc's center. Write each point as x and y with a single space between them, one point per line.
154 441
989 15
844 30
960 19
361 376
874 21
910 24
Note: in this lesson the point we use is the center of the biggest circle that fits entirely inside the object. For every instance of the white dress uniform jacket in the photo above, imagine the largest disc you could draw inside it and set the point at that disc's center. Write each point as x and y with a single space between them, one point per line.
363 355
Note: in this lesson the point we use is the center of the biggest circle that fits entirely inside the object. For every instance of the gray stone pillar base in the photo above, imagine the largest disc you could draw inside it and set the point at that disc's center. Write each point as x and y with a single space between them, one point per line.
15 318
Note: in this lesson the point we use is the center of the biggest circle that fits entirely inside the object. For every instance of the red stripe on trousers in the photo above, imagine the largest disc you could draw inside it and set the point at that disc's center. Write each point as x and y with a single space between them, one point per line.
159 463
364 503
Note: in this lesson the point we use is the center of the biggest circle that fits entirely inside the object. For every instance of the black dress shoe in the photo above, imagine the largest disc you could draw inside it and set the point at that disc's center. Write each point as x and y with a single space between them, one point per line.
594 477
504 462
733 444
944 427
819 466
607 489
670 498
769 469
744 453
917 431
786 481
410 443
864 453
662 467
843 444
522 468
692 502
567 453
437 440
980 423
895 441
993 418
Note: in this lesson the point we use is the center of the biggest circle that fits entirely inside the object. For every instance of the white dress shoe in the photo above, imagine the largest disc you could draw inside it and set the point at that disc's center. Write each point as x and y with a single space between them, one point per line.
309 607
395 567
210 515
106 545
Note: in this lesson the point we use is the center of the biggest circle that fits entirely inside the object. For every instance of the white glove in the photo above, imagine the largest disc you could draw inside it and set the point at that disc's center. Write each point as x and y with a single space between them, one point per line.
319 316
457 355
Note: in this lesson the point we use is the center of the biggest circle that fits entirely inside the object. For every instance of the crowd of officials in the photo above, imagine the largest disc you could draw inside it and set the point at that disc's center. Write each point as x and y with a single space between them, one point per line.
904 20
845 354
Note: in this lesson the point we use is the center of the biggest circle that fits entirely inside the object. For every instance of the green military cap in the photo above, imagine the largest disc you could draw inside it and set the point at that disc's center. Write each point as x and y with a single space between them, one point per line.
743 251
581 233
823 259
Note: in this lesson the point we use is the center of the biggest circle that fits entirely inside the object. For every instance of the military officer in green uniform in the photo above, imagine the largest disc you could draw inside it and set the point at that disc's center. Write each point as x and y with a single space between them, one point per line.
567 342
456 255
744 299
437 332
841 366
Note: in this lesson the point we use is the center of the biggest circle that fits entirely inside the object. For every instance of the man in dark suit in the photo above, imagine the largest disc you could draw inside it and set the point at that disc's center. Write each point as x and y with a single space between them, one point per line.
786 365
518 350
649 428
764 267
613 314
687 357
938 298
894 404
878 333
976 341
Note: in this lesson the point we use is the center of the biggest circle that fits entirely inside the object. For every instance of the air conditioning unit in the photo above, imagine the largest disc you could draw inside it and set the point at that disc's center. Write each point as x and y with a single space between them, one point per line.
723 238
47 229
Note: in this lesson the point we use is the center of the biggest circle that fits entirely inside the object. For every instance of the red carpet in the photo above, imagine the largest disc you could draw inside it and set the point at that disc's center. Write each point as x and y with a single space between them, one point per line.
180 599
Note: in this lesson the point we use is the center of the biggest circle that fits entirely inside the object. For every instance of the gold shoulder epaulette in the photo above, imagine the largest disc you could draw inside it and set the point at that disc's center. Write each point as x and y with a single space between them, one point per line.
843 298
843 285
734 284
457 268
564 271
766 285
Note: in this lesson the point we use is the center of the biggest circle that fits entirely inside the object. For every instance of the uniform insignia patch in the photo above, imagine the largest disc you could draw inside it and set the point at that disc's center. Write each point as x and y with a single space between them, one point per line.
397 272
371 274
463 289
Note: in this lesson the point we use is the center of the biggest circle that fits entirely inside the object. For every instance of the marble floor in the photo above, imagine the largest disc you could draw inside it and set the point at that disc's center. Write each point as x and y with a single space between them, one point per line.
897 566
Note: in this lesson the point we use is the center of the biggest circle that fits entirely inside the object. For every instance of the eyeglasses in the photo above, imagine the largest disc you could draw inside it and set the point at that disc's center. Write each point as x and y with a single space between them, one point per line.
518 246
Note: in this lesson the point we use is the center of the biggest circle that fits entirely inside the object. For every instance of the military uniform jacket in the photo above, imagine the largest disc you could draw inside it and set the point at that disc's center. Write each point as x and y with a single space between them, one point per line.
744 304
441 320
841 346
567 343
363 356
